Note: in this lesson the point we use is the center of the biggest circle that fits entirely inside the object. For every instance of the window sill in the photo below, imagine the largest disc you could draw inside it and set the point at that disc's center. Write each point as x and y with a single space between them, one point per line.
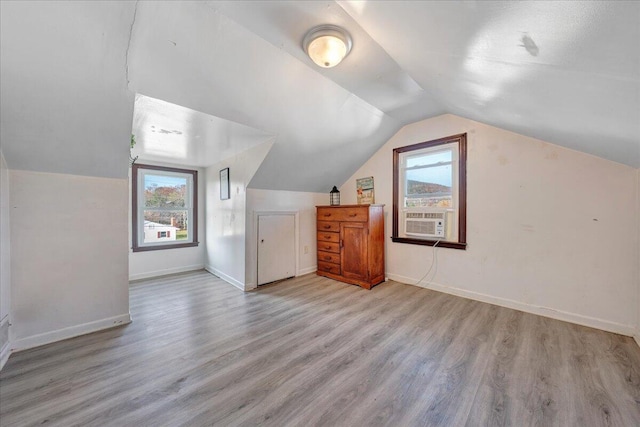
441 244
161 247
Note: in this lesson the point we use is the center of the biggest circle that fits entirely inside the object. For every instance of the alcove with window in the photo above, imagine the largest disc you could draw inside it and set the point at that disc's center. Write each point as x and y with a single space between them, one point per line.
429 193
164 208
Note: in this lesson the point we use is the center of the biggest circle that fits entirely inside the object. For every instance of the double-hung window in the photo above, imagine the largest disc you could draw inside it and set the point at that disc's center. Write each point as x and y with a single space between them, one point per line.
164 207
429 203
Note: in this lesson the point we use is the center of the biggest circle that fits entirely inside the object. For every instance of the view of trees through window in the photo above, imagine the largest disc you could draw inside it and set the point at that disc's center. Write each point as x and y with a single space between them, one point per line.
164 207
165 203
429 179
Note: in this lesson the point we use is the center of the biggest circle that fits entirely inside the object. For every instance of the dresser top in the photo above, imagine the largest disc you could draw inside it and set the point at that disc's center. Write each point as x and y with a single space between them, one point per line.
348 206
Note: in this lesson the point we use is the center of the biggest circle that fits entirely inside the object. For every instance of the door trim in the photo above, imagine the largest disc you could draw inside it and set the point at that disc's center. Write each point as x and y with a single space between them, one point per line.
296 237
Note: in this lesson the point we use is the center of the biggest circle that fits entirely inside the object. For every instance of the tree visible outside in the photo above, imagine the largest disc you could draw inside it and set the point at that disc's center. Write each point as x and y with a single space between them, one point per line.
429 179
428 194
165 202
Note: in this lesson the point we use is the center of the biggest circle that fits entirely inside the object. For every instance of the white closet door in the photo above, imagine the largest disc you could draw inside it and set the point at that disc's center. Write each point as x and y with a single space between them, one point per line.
276 248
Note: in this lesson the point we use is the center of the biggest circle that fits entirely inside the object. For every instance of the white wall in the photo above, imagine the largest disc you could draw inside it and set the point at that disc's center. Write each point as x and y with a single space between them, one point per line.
271 200
5 265
637 335
168 261
226 219
548 228
69 266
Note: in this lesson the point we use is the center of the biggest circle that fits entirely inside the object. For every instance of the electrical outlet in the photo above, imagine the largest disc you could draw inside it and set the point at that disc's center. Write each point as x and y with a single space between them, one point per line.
306 249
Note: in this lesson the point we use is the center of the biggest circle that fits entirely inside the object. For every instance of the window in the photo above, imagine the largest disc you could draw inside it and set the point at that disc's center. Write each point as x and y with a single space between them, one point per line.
164 208
429 193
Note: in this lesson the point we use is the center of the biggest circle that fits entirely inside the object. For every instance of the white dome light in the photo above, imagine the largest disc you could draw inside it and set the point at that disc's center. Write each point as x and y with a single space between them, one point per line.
327 45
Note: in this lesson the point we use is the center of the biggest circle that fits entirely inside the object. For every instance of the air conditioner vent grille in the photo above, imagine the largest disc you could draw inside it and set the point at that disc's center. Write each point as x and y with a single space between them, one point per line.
425 215
421 227
425 223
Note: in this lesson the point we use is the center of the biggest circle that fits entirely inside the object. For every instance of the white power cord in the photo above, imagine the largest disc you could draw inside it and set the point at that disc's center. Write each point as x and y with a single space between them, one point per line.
434 261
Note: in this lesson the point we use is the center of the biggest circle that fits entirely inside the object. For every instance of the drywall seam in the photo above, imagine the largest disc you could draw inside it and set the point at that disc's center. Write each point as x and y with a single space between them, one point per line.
238 284
565 316
70 332
126 55
165 272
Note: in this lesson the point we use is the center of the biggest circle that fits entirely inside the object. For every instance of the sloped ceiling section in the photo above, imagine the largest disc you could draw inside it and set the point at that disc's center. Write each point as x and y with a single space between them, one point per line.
368 71
564 72
196 57
166 132
65 107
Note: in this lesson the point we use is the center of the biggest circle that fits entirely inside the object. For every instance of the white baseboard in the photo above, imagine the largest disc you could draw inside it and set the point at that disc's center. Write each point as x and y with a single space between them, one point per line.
307 270
5 341
70 332
164 272
4 354
253 285
238 284
579 319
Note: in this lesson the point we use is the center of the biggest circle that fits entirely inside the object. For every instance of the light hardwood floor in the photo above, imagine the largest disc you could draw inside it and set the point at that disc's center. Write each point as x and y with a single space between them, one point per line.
312 351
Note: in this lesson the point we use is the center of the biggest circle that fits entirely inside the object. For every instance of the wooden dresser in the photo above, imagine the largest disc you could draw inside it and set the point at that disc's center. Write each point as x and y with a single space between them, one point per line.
351 243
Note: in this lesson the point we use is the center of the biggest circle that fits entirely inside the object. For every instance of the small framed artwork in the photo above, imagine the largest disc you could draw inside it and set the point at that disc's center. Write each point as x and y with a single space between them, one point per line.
364 188
224 184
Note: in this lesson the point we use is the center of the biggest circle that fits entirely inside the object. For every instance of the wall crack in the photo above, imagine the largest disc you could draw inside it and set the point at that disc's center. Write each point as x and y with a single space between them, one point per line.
126 57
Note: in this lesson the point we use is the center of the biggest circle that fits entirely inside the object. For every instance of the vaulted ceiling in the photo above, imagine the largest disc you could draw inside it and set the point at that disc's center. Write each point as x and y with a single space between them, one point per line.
564 72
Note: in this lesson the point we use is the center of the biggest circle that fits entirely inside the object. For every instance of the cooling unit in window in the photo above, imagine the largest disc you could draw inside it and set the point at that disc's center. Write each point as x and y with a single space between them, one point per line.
424 223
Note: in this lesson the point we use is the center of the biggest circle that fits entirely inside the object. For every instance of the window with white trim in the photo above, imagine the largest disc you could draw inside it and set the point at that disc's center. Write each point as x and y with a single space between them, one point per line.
164 207
429 205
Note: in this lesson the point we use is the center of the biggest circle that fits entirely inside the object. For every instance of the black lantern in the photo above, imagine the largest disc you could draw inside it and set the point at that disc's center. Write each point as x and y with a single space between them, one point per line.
334 197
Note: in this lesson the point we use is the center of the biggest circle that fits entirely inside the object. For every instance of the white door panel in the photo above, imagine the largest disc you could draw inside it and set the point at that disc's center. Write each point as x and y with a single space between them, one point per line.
276 248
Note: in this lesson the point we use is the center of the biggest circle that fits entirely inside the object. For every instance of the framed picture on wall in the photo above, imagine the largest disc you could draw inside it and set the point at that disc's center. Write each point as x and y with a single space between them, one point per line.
224 184
364 189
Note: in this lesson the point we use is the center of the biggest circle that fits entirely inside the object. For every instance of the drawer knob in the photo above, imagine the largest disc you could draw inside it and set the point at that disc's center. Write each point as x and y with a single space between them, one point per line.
352 215
327 226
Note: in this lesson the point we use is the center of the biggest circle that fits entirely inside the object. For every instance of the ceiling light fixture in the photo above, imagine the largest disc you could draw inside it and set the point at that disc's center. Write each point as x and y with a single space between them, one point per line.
327 45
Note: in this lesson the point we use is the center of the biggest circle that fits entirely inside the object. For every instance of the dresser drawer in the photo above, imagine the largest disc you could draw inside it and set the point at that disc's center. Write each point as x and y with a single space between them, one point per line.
324 236
329 247
328 226
329 267
328 257
342 214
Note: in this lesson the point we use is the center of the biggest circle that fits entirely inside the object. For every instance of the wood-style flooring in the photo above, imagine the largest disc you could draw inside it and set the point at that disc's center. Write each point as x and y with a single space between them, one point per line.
312 351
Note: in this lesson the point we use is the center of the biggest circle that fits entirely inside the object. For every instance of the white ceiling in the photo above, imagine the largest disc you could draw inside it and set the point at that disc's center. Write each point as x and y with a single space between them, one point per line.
565 72
577 85
166 131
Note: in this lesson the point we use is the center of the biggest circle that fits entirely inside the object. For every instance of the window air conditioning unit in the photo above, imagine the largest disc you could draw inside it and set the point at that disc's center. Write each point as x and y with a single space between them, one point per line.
424 223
